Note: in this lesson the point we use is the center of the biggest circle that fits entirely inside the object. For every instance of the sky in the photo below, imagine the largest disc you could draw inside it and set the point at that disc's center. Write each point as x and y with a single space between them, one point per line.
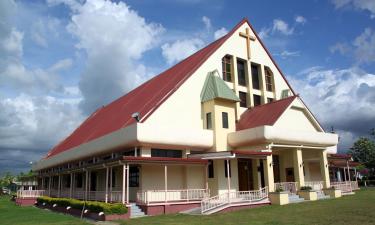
62 59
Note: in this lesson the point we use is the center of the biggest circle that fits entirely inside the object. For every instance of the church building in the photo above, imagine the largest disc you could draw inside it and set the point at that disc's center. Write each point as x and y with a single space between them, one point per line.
222 127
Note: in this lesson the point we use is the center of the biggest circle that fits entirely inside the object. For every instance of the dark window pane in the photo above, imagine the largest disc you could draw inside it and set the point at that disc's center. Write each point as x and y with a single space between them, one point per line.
269 100
208 121
227 68
241 72
257 100
133 176
243 98
225 168
166 153
269 83
210 169
255 76
225 119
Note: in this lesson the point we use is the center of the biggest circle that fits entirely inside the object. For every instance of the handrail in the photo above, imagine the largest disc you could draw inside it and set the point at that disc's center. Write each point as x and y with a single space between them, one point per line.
149 196
217 201
345 187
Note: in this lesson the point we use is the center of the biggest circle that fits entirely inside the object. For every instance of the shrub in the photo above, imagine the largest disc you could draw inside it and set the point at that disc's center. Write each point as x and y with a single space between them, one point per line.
92 206
306 188
280 189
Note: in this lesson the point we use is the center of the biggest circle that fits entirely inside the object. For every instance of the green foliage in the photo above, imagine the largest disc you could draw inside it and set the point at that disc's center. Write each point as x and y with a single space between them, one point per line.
363 151
306 188
280 189
92 206
6 180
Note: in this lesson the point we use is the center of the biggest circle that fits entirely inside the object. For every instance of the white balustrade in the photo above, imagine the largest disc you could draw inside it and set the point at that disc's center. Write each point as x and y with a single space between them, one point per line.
345 187
315 185
291 187
151 196
30 193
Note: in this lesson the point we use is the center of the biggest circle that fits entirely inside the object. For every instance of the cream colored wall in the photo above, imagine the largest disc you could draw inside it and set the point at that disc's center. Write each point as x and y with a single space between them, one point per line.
295 119
314 171
222 184
182 110
195 177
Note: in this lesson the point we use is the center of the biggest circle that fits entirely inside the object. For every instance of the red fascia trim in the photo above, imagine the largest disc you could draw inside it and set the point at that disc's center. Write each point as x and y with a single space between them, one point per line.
340 156
164 159
251 153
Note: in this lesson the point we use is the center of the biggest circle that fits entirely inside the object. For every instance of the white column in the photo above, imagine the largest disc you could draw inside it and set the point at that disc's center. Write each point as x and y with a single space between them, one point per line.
345 179
86 184
165 181
49 186
106 184
347 166
110 185
268 173
298 167
59 187
228 175
127 183
71 185
324 169
206 177
355 172
42 183
123 183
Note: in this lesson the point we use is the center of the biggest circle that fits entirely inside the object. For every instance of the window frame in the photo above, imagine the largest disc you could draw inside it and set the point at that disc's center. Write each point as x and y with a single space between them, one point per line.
209 121
269 79
226 62
244 84
225 120
260 100
255 85
243 103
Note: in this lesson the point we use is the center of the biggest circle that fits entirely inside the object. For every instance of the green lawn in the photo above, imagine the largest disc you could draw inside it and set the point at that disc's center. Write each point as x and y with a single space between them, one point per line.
355 209
11 214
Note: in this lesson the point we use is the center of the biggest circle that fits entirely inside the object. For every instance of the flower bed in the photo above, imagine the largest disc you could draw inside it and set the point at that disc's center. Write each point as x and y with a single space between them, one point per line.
91 209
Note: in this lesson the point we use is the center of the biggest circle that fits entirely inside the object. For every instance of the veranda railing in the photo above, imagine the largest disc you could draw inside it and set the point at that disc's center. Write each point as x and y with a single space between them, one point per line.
150 196
291 187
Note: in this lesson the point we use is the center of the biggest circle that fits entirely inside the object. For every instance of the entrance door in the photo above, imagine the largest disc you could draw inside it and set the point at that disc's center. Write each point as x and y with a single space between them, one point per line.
245 175
289 174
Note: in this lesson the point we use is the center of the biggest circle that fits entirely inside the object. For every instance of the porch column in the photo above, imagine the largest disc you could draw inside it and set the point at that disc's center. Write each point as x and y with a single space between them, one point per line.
42 183
298 167
347 166
255 165
49 186
355 174
59 187
86 184
110 184
324 169
106 184
268 173
165 182
89 185
228 175
71 186
123 183
345 179
206 177
127 183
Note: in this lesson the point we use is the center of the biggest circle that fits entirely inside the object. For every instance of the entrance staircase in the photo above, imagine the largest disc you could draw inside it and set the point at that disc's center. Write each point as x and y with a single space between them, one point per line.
135 211
294 198
321 195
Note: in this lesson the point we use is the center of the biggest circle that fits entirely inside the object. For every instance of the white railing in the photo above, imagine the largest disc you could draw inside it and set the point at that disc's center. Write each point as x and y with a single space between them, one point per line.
345 186
115 196
151 196
30 193
291 187
217 201
315 185
354 185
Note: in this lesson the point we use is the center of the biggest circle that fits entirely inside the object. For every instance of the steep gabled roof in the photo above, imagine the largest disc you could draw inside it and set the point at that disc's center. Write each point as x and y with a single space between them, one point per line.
215 87
145 99
262 115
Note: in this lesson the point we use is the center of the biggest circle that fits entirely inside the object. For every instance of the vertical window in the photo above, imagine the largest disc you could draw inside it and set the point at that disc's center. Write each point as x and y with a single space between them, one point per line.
208 121
113 177
79 180
257 100
269 100
227 68
133 176
255 76
243 98
225 168
269 83
225 119
210 169
168 153
241 72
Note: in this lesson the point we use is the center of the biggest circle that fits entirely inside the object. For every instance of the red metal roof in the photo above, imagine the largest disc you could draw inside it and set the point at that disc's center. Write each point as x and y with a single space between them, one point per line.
164 160
339 156
266 114
254 153
145 99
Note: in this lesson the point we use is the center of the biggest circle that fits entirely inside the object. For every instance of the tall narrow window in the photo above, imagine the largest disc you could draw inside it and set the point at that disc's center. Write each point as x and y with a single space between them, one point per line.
166 153
133 176
227 68
269 79
210 169
208 121
269 100
257 100
226 170
243 98
225 119
241 74
255 76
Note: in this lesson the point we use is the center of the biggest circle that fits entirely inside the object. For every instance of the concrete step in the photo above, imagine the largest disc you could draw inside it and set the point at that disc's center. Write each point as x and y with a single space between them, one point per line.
136 211
295 199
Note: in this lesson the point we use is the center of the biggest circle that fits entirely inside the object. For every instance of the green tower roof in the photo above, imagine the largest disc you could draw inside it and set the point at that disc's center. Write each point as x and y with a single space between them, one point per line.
215 87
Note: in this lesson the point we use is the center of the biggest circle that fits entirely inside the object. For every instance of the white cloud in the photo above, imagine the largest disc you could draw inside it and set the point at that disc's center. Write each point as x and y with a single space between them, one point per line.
220 32
42 30
114 38
180 49
287 54
282 27
362 48
368 5
207 23
343 99
300 19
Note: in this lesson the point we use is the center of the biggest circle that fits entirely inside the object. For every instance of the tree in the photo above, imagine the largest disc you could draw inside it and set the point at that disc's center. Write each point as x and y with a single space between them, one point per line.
363 151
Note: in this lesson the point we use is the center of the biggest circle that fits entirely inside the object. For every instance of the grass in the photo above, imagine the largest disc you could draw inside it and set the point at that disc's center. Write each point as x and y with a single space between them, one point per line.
348 210
12 214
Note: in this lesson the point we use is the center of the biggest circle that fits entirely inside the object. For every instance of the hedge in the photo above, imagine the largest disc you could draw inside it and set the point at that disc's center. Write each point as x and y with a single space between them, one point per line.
92 206
306 188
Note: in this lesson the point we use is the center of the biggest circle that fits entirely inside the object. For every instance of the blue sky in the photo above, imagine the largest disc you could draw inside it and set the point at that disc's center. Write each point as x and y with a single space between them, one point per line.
61 59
